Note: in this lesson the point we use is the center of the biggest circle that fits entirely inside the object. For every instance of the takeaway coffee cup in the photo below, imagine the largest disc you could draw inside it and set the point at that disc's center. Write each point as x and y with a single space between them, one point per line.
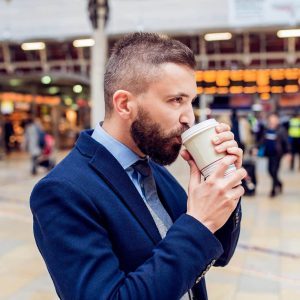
198 141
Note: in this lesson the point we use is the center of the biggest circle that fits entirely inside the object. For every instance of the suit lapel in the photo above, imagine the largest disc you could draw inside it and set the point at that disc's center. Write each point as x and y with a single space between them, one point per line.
115 176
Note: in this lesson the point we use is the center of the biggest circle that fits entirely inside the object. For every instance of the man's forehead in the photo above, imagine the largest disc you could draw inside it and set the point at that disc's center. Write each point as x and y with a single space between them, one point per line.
175 68
178 78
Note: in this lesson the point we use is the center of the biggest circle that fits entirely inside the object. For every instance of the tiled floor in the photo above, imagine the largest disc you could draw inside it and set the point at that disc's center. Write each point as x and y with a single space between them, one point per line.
266 264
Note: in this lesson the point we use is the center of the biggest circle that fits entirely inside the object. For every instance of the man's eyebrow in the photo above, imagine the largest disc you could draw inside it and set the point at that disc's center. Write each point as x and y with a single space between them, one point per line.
181 95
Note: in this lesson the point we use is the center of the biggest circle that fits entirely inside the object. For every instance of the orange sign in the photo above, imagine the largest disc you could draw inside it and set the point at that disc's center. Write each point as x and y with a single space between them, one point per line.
250 81
28 98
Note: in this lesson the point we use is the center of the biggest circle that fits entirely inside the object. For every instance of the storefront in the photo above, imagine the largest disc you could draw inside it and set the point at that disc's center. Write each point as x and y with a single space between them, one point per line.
63 117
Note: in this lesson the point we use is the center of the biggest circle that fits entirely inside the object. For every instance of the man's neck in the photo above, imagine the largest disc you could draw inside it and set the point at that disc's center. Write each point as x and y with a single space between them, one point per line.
121 132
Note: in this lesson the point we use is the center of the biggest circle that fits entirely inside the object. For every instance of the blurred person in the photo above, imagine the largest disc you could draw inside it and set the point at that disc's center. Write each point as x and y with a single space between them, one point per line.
285 121
257 123
275 143
249 161
110 221
47 159
8 132
294 137
235 127
246 136
34 142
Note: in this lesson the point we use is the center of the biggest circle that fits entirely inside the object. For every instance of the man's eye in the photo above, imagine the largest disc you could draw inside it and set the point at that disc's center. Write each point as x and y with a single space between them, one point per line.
177 99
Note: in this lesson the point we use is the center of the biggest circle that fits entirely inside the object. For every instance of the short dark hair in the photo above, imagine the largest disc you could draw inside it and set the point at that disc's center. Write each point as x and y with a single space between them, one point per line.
135 59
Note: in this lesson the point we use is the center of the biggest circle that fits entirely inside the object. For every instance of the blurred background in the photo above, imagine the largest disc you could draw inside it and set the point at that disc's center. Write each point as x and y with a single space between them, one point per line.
52 59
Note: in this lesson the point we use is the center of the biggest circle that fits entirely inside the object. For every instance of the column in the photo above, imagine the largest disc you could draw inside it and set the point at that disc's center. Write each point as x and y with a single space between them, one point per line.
98 61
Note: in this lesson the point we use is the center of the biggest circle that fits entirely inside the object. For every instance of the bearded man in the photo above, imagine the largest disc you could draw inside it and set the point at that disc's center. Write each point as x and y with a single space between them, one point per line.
110 221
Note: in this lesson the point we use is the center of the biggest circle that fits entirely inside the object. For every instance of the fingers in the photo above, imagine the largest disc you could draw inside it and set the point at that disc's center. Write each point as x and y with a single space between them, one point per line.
224 140
221 127
223 165
195 175
236 193
239 153
234 178
225 145
186 155
223 137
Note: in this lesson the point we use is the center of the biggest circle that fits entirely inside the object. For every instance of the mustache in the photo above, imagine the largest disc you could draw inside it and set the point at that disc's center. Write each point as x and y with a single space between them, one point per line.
179 131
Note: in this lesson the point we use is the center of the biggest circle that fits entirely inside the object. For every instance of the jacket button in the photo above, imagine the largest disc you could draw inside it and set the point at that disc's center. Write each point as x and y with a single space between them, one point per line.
205 271
237 219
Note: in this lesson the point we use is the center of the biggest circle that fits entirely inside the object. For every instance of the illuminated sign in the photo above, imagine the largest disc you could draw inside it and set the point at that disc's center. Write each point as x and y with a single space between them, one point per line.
261 81
28 98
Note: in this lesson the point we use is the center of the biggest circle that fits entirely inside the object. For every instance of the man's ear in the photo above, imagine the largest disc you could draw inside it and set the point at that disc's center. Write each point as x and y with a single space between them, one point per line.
123 104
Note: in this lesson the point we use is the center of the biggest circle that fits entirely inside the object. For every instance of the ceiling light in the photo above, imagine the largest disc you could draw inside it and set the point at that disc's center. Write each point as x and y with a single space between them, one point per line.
33 46
221 36
46 79
288 33
83 43
53 90
77 88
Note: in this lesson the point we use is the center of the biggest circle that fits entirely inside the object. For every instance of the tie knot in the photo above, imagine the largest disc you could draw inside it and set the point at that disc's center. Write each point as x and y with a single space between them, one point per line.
142 166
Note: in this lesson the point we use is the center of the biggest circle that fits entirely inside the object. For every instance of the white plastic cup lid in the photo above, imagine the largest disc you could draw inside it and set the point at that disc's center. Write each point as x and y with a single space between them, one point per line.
198 128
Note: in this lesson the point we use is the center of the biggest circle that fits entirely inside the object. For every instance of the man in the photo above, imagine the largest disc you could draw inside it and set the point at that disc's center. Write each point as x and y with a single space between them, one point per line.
33 144
275 143
294 137
8 133
109 226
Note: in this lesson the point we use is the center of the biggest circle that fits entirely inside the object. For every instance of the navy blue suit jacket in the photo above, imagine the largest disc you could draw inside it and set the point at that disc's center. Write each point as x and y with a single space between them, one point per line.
99 240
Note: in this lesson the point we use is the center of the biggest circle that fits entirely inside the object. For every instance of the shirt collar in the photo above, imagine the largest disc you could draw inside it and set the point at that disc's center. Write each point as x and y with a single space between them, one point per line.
125 156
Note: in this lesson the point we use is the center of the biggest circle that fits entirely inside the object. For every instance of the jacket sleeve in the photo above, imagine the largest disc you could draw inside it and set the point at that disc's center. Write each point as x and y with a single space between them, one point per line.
75 244
228 236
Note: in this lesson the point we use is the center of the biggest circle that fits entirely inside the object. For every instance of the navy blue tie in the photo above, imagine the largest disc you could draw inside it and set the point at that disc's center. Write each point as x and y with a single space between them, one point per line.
158 212
142 166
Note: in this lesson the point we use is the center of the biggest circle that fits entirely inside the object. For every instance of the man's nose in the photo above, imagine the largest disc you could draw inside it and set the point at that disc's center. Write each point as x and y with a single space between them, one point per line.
188 116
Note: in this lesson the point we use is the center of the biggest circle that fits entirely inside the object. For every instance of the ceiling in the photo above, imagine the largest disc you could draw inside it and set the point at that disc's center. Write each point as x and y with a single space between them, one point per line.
64 19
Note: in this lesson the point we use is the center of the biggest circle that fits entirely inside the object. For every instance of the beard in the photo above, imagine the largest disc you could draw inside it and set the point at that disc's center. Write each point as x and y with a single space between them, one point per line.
151 140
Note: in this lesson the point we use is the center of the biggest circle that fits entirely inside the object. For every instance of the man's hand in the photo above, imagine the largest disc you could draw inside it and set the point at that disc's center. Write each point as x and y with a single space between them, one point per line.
224 142
212 201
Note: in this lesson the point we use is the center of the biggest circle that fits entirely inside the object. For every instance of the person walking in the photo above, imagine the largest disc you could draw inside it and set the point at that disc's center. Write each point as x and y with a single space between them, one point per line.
275 144
8 132
33 142
294 137
235 127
